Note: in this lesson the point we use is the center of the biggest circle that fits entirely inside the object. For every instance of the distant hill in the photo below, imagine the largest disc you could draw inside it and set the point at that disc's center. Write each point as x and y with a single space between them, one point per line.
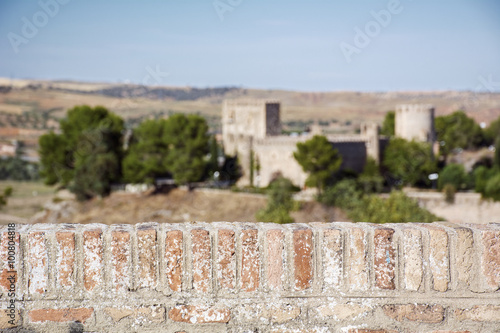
43 101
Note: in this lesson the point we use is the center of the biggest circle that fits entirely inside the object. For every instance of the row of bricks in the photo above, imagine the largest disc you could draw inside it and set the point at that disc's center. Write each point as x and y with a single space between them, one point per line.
352 257
263 314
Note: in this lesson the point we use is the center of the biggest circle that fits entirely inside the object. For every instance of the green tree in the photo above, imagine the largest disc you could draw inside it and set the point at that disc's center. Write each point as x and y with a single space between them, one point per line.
492 132
7 192
86 156
187 140
370 180
409 162
457 130
389 124
317 157
453 174
492 188
147 156
279 203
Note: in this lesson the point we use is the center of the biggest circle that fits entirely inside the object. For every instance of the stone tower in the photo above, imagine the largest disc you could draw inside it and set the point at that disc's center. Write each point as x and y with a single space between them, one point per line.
415 122
243 122
371 131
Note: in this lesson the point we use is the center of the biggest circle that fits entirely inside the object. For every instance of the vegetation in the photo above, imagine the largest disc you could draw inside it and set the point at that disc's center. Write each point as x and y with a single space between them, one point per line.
389 124
280 202
492 132
15 168
361 207
409 162
453 174
317 157
7 192
86 156
457 130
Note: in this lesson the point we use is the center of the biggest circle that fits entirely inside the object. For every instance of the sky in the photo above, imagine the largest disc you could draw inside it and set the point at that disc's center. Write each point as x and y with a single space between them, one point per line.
313 45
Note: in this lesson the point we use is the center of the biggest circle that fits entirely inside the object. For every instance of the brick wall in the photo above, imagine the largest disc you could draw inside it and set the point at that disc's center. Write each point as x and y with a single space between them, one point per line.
245 277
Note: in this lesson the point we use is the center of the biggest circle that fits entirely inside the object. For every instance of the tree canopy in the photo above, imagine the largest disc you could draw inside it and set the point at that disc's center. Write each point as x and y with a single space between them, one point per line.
86 156
457 130
317 157
388 126
409 162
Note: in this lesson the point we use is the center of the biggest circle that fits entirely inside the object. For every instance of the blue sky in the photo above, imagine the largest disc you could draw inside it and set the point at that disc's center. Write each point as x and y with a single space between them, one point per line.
269 44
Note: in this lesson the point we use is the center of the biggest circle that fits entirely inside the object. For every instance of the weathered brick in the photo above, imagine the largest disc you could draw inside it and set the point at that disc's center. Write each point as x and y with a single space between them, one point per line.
120 260
226 272
491 258
412 259
361 330
349 311
415 312
384 258
439 262
9 319
464 259
173 259
38 263
303 250
201 260
487 313
8 274
155 314
65 277
250 260
275 273
358 270
199 314
283 313
147 258
92 258
332 258
60 315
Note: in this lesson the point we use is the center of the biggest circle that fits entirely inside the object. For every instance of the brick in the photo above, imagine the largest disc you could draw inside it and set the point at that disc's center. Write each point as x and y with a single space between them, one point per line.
491 258
92 258
250 260
173 259
65 276
8 274
360 330
147 258
60 315
9 319
412 259
487 313
464 257
332 258
439 258
303 249
415 312
155 314
199 314
38 263
384 258
275 273
282 314
120 260
201 260
358 270
349 311
226 272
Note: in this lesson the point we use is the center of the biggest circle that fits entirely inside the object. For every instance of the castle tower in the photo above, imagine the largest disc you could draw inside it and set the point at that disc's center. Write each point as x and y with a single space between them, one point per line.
415 122
371 131
243 122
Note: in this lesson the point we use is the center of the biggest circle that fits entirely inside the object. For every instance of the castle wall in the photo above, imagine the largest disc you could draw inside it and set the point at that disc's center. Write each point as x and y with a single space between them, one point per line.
250 277
415 122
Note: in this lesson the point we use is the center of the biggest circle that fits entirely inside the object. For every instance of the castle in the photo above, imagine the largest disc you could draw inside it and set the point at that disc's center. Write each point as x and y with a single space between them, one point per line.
251 130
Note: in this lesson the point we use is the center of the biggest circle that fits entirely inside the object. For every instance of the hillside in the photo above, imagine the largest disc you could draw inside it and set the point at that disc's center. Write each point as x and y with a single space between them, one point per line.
36 104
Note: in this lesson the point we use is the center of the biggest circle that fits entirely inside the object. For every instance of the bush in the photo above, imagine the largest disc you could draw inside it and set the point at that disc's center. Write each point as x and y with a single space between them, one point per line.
492 189
449 193
279 203
453 174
